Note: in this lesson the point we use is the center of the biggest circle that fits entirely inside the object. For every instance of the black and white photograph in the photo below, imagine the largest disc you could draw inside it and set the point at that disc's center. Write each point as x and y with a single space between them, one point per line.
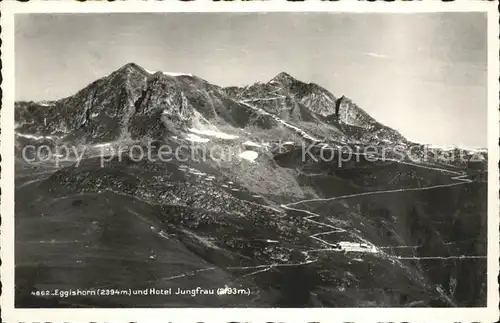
251 160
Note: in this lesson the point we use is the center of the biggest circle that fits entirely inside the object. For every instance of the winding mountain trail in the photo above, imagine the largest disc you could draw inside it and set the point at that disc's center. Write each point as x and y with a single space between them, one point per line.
331 229
460 177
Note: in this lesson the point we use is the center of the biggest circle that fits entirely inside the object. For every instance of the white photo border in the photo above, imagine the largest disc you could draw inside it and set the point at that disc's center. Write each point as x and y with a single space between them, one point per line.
11 314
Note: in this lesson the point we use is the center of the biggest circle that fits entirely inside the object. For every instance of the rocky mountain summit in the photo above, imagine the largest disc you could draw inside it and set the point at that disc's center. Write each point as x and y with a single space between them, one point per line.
264 188
118 106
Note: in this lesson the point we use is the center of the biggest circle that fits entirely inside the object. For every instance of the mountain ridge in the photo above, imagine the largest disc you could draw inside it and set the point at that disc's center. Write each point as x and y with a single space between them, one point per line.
306 102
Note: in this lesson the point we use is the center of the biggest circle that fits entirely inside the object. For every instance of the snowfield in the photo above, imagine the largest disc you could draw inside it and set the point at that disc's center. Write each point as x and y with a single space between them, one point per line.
24 135
177 74
169 73
212 133
249 155
252 144
195 138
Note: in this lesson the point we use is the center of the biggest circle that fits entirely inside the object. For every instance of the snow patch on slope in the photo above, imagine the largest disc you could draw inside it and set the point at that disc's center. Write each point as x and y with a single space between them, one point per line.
286 124
213 133
169 73
106 144
249 155
25 135
194 138
177 74
44 104
252 144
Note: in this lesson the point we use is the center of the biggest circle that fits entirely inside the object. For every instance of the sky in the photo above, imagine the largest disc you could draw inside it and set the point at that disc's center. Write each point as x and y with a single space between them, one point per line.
422 74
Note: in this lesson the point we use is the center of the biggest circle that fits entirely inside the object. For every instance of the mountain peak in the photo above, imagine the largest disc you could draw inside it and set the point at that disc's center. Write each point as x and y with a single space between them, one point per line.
283 77
131 67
